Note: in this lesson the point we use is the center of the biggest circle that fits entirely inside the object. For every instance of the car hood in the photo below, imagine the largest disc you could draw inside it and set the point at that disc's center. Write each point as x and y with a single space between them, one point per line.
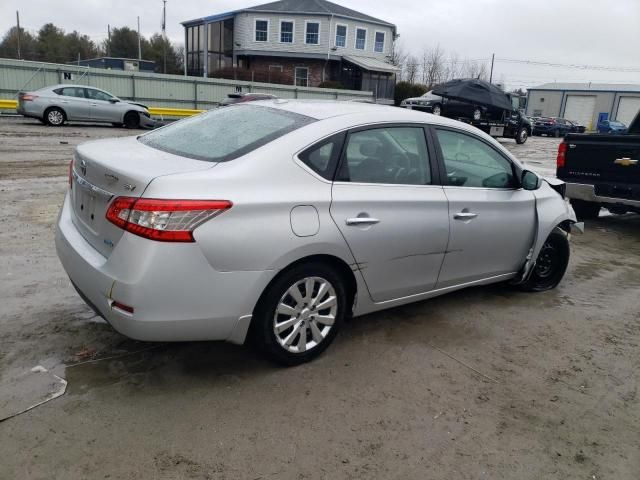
137 105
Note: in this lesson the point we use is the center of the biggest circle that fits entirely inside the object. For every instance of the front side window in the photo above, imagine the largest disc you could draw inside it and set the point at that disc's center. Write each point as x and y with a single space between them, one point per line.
313 33
302 76
98 95
223 134
361 38
379 46
341 36
390 155
469 162
286 32
262 30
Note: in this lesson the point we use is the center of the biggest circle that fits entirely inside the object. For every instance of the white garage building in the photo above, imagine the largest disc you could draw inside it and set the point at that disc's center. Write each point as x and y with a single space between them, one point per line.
585 102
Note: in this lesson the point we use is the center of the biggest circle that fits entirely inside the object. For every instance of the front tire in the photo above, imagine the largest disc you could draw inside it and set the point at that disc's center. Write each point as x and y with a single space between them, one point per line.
551 263
522 135
300 314
132 120
585 210
54 117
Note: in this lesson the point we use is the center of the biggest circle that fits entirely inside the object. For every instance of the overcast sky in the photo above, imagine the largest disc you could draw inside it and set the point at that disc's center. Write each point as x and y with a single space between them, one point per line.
584 32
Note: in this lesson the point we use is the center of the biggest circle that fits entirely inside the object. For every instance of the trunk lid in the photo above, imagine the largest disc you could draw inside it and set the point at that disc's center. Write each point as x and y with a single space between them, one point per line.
598 159
106 169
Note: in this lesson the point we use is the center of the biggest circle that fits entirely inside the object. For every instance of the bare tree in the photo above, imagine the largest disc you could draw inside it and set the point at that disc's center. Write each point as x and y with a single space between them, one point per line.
411 71
398 57
453 69
433 66
475 69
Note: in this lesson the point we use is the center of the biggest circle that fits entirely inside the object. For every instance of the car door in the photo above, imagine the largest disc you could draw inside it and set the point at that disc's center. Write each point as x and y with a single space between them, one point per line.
390 209
76 106
492 219
102 108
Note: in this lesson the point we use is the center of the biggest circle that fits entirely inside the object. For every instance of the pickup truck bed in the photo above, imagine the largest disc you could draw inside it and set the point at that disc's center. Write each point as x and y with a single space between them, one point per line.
601 170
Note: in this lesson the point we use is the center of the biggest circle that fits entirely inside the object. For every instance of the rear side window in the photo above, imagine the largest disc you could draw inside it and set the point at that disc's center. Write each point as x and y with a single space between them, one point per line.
323 157
223 134
71 92
390 155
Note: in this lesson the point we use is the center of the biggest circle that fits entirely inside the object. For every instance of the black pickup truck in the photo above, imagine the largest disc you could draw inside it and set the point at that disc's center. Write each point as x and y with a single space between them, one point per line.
601 171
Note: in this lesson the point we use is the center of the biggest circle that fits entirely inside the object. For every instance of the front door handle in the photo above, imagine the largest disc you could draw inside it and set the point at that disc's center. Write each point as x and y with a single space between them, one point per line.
94 104
465 215
362 221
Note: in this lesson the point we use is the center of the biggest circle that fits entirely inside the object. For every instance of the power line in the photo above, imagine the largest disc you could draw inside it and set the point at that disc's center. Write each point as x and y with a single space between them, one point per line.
571 65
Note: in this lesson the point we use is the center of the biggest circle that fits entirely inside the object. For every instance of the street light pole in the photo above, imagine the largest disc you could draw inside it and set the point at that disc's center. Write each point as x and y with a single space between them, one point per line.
139 46
493 56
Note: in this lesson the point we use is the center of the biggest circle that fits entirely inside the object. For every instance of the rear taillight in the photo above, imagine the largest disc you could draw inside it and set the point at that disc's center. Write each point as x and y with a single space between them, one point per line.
28 97
163 220
71 173
562 153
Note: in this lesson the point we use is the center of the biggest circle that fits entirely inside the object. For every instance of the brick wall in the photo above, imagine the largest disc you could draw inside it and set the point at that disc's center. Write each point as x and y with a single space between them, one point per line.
288 67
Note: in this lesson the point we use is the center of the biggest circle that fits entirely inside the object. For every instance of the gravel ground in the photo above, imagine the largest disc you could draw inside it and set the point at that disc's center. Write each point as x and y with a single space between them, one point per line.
483 383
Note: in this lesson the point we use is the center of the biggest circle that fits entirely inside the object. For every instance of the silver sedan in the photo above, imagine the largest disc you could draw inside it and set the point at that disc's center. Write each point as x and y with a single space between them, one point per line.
58 104
276 220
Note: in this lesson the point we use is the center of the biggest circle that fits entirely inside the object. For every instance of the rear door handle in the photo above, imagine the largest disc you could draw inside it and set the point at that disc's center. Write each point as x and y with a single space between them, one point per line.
465 215
362 221
94 104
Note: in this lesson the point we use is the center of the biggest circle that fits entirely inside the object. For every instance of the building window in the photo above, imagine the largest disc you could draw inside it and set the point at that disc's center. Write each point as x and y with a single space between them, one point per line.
313 33
275 68
361 38
262 30
379 46
302 76
341 35
286 31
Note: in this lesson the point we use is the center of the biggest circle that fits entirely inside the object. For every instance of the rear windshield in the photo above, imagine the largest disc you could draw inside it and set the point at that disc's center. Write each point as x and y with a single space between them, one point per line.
223 134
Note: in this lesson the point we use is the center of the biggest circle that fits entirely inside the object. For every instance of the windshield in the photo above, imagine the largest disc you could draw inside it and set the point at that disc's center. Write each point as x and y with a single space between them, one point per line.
223 134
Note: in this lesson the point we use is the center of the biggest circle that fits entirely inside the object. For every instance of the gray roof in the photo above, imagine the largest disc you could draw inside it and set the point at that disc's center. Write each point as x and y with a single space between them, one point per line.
317 7
372 64
596 87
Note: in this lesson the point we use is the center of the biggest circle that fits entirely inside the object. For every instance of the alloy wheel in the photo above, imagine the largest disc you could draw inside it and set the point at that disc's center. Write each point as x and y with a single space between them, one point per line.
305 314
55 117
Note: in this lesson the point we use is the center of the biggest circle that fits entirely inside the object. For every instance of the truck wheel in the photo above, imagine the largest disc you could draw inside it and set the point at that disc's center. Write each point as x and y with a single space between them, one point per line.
585 210
551 263
477 114
437 109
522 135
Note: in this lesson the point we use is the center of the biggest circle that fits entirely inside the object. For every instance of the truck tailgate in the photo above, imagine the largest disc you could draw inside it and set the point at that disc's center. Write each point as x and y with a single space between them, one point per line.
597 159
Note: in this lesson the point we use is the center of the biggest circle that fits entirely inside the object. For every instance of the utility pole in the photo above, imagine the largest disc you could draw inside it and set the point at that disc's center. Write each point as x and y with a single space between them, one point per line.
18 24
493 57
108 40
139 46
164 36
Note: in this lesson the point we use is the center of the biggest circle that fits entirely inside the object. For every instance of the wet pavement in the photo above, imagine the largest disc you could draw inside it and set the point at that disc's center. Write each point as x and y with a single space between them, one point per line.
483 383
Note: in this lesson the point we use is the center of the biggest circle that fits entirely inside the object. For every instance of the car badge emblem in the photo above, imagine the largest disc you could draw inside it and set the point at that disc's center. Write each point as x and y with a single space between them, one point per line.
626 162
83 167
128 186
111 177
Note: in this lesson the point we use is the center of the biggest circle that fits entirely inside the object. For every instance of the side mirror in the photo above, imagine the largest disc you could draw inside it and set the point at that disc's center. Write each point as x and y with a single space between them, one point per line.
530 180
113 100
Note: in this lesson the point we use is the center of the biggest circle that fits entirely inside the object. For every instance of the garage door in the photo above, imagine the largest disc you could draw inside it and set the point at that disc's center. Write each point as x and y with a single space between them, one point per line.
627 109
580 108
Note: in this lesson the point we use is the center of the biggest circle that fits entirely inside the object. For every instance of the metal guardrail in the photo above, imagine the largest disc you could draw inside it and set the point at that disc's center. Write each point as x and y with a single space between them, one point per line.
154 111
8 104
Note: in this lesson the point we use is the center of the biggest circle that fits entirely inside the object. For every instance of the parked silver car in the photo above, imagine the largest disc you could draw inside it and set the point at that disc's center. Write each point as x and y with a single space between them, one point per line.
79 103
278 219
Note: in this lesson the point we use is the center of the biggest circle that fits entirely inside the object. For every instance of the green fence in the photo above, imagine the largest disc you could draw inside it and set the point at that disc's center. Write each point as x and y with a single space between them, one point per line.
169 91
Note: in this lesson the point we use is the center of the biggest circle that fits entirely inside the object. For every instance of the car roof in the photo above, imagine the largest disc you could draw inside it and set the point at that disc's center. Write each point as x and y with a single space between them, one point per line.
61 85
325 109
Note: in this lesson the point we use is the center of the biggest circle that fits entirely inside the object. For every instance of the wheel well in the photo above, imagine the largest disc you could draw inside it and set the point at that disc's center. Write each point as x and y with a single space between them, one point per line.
340 266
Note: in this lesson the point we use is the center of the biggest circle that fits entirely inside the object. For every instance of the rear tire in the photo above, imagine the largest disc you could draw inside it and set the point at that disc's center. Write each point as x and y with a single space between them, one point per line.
287 326
437 109
556 133
132 120
585 210
477 114
54 116
551 263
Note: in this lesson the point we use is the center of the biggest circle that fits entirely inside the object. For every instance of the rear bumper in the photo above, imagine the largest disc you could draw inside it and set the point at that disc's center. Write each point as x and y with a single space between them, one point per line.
176 294
587 193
